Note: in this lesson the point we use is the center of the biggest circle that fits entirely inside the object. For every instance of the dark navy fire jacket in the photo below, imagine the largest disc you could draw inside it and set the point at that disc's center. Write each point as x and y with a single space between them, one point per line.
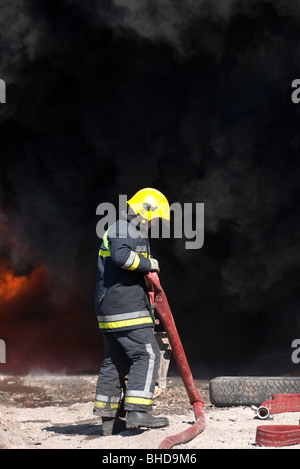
122 299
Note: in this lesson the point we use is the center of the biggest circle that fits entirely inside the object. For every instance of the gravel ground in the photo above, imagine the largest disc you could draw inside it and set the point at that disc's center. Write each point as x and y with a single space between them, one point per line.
56 412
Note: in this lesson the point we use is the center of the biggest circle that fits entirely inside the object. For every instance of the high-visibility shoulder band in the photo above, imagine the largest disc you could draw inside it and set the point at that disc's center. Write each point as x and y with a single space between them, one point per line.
105 240
138 400
104 253
135 263
125 323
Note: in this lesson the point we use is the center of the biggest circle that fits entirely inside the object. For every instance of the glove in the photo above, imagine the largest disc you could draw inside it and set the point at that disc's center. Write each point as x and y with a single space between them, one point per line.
154 265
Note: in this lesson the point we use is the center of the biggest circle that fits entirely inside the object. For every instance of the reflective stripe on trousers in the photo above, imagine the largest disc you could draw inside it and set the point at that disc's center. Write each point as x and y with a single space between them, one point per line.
106 402
143 397
135 352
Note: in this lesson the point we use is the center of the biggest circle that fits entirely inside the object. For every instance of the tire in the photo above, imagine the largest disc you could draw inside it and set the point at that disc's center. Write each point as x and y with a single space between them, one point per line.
225 391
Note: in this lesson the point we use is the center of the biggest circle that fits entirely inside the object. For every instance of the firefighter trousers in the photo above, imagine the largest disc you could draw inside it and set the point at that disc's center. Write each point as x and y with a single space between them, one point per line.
133 353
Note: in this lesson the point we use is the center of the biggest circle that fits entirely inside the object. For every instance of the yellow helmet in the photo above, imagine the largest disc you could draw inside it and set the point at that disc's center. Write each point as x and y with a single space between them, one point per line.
150 203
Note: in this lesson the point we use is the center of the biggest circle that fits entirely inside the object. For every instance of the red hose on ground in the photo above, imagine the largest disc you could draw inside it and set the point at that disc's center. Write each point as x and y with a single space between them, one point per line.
158 296
279 435
282 403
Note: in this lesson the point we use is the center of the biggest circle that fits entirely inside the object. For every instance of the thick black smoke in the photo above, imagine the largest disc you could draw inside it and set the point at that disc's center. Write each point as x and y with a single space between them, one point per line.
191 97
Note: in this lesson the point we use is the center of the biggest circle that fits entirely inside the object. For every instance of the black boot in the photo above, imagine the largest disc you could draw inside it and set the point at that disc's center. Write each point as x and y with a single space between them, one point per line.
143 419
112 425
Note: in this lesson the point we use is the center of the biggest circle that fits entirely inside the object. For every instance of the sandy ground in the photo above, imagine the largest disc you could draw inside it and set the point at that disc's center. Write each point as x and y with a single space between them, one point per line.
55 412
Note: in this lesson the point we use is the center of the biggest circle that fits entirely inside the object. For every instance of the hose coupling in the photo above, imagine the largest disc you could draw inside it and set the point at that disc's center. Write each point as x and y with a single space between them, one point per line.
262 412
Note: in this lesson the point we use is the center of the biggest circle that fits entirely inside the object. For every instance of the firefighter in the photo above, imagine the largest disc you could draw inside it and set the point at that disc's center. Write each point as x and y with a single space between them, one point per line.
125 317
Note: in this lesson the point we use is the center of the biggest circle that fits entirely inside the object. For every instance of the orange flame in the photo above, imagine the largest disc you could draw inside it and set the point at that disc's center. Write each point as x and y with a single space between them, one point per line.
12 285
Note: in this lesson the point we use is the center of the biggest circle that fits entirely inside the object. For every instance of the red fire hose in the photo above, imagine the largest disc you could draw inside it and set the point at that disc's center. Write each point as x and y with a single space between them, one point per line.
278 435
158 297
